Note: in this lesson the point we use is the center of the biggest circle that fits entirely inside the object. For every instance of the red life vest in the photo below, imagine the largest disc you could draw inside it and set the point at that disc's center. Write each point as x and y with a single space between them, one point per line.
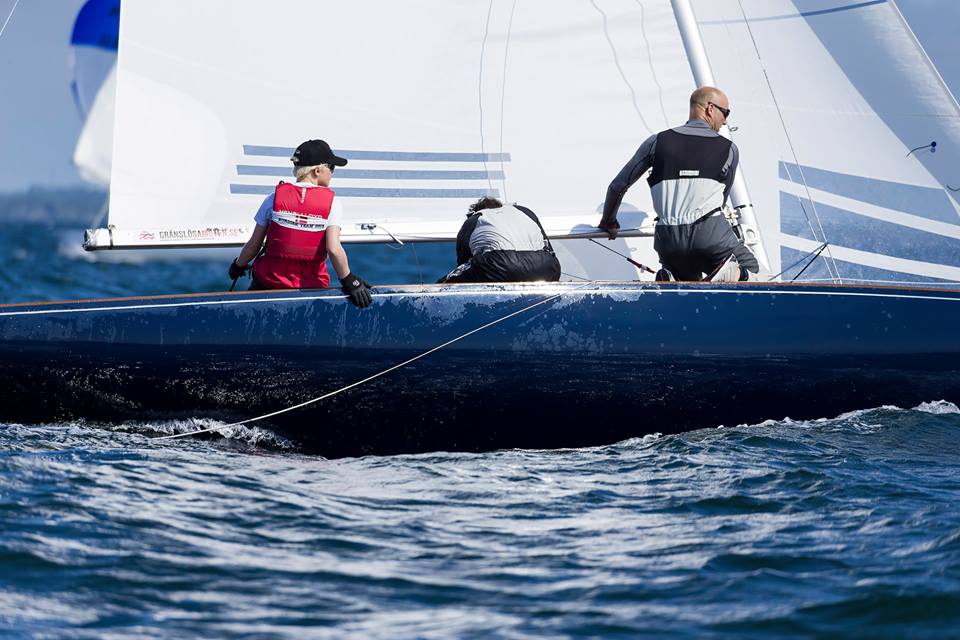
296 251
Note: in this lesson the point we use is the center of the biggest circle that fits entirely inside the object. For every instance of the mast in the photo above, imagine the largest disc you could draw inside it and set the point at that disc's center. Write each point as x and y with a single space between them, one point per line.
703 75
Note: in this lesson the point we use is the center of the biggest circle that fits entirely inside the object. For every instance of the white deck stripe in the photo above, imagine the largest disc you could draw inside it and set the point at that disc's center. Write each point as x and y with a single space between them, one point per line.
172 305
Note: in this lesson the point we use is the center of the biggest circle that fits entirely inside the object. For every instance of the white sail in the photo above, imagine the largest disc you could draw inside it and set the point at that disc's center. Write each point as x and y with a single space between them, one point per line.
434 104
93 56
93 154
837 107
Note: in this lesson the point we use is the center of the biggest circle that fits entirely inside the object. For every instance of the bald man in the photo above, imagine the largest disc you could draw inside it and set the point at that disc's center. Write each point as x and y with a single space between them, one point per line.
693 167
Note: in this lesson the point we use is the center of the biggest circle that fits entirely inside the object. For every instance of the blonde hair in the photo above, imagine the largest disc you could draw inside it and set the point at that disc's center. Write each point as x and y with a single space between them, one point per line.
300 172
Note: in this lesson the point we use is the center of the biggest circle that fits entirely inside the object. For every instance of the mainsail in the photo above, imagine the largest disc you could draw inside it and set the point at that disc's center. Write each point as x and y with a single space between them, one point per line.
437 103
434 104
849 137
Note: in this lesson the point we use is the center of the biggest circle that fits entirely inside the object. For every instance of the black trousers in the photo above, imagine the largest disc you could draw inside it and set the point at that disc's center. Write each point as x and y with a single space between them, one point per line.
508 266
691 250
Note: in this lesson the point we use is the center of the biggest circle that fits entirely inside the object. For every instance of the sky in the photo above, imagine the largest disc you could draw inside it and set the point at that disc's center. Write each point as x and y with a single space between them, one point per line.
39 123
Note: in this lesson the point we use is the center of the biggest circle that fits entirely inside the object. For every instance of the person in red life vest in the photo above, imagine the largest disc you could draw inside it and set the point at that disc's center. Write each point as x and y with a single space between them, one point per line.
300 223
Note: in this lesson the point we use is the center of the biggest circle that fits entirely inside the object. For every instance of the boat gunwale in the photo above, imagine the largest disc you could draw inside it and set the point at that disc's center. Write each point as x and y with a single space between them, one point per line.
486 289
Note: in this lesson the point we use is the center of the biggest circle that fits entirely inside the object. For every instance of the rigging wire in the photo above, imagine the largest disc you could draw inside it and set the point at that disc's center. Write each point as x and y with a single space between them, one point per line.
642 267
653 71
815 256
616 62
786 132
813 230
9 15
503 98
483 48
797 262
372 377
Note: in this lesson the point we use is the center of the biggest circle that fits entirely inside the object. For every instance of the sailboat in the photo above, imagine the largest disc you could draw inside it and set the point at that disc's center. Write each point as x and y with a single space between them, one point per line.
849 142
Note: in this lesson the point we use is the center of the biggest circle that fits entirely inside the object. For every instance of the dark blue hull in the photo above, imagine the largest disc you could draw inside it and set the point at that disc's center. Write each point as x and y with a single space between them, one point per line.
592 365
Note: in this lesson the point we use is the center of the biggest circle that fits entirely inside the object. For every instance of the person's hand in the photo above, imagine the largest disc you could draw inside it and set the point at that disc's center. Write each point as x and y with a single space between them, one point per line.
612 228
236 271
357 289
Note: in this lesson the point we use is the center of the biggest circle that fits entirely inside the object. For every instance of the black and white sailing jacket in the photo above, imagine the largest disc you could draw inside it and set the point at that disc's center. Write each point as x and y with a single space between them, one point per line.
693 168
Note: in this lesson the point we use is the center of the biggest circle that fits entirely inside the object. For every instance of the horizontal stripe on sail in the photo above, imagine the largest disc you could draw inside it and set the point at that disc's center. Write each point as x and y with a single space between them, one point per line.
820 271
926 202
873 211
400 156
376 174
801 14
798 217
363 192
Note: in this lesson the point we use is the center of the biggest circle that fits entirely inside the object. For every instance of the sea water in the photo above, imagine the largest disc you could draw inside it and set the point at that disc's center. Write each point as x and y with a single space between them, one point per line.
841 526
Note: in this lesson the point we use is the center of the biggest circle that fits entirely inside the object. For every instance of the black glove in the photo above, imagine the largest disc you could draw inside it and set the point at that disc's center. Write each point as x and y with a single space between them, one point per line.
236 271
612 228
357 289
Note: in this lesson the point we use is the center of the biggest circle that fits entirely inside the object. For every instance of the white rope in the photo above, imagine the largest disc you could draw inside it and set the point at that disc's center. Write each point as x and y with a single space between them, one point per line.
367 379
7 21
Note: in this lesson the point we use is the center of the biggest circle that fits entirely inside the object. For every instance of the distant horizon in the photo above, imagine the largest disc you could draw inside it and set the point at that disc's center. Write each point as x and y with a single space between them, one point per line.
39 123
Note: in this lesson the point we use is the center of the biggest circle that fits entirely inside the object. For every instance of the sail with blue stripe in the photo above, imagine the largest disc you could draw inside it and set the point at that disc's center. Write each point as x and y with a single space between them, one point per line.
94 42
848 134
434 105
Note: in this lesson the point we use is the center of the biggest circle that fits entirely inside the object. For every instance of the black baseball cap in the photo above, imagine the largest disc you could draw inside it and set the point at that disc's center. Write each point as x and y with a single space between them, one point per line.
314 152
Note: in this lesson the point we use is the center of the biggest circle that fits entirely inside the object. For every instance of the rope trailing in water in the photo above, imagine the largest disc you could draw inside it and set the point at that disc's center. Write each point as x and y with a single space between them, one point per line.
368 378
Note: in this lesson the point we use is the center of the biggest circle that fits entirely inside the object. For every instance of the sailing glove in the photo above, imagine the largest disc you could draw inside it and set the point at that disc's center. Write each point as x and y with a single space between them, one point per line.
357 289
236 271
612 228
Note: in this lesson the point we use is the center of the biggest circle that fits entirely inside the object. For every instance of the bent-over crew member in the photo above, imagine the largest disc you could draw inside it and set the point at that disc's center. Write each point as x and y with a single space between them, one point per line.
693 168
500 243
300 223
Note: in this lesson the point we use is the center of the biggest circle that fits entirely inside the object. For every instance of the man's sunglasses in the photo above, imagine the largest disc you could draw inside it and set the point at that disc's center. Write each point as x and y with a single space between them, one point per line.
725 112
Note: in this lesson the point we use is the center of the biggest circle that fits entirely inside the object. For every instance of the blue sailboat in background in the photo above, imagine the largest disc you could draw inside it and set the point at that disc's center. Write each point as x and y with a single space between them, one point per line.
843 197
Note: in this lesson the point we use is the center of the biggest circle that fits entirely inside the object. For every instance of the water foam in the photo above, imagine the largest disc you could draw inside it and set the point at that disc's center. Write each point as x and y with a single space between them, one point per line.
937 407
254 436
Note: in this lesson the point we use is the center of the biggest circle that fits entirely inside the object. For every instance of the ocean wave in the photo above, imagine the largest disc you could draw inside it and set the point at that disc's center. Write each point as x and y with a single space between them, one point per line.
83 433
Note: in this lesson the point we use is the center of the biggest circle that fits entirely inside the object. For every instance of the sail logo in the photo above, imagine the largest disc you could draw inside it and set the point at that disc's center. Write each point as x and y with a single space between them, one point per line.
384 174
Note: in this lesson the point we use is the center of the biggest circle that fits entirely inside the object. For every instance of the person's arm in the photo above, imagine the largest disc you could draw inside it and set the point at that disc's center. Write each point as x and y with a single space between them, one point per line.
730 170
252 248
336 253
356 288
631 172
463 240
